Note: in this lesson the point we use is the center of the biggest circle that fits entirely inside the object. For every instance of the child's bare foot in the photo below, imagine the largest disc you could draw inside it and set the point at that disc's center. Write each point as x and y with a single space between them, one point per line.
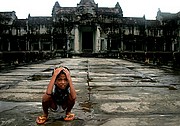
69 116
41 119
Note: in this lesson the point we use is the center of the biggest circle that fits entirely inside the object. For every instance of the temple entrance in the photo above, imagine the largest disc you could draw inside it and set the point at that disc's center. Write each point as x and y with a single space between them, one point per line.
87 41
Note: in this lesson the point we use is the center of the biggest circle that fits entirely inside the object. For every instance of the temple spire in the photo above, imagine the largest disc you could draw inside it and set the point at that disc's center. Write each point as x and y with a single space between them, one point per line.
56 8
87 7
119 8
87 2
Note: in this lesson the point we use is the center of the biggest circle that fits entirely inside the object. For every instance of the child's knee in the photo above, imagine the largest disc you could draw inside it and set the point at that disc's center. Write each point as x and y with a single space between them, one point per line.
46 98
71 99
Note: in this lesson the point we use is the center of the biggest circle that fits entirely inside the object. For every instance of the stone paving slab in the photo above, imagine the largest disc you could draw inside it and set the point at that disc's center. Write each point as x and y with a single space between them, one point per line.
109 92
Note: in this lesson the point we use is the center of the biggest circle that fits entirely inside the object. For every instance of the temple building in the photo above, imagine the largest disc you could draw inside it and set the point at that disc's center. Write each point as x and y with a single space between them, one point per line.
89 29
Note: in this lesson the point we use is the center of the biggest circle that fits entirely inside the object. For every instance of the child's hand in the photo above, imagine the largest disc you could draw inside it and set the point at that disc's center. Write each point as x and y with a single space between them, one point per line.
57 71
67 75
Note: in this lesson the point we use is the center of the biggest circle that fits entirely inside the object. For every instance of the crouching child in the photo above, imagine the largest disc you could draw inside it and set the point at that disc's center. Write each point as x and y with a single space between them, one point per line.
60 92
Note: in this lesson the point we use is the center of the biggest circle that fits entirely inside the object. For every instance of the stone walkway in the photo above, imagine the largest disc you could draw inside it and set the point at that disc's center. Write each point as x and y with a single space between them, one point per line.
109 92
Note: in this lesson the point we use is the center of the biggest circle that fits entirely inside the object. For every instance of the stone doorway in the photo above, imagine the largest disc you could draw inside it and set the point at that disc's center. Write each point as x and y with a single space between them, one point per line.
87 41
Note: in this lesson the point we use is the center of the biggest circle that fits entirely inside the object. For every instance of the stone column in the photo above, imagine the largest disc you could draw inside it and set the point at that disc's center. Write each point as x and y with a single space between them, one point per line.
40 45
174 42
178 41
96 40
9 46
52 43
27 45
173 46
68 47
122 44
76 39
105 45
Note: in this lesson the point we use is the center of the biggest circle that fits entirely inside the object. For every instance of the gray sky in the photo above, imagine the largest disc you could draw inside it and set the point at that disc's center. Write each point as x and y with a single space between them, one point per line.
131 8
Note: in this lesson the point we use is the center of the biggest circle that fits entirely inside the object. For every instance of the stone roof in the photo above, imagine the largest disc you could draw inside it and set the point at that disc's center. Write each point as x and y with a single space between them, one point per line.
178 15
101 11
107 11
8 15
166 16
7 18
20 23
152 23
133 20
67 10
39 20
87 4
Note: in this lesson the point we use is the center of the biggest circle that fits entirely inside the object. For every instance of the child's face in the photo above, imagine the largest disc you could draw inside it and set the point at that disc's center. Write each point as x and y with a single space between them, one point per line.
61 81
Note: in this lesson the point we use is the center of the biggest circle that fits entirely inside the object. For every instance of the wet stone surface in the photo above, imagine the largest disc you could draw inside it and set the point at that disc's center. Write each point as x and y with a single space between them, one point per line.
109 92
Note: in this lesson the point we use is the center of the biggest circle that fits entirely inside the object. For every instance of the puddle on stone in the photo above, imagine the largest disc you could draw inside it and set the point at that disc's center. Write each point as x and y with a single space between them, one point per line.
59 122
38 77
87 106
48 69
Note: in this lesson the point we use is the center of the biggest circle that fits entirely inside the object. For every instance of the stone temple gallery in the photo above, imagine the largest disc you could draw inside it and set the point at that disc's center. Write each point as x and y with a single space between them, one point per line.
89 29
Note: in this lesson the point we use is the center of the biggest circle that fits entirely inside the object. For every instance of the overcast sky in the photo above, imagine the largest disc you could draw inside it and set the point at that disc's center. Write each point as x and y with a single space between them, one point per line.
131 8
